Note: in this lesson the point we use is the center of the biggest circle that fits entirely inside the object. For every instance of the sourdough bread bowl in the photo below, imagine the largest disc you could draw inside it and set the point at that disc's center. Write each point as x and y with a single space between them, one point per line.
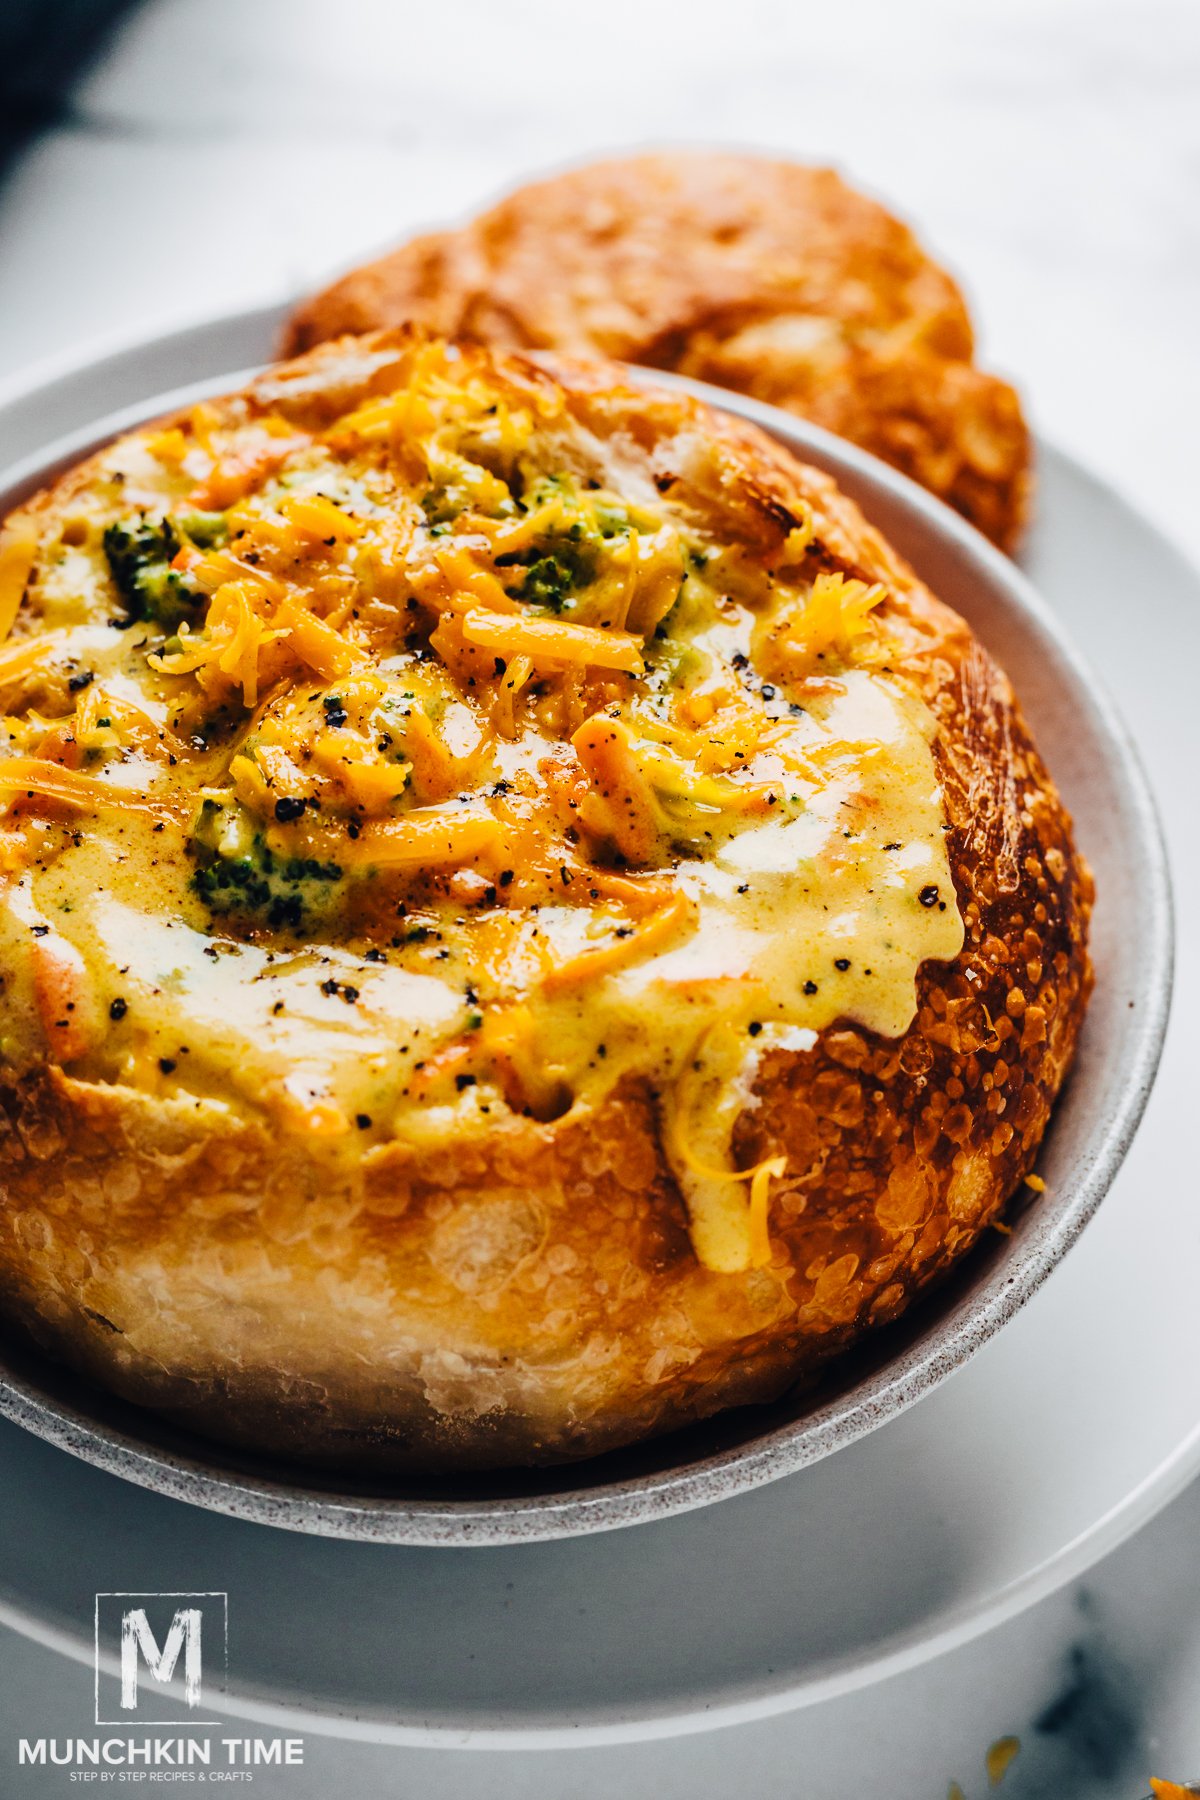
525 925
772 278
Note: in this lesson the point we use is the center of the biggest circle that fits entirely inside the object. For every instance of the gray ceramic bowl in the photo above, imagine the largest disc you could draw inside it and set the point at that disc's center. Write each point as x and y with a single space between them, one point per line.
1086 748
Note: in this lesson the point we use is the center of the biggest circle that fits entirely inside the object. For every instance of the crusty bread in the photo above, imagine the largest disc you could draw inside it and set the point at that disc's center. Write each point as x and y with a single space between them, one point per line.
768 277
524 1286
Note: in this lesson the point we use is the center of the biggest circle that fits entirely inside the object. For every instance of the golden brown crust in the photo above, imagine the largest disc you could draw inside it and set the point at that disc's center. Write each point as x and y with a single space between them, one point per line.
533 1296
767 277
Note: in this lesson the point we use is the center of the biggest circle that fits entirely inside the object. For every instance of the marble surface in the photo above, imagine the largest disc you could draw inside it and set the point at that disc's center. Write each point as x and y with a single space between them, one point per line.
1050 150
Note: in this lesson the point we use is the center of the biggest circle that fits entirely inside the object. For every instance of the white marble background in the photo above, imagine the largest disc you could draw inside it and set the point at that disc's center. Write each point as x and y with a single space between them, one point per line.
228 151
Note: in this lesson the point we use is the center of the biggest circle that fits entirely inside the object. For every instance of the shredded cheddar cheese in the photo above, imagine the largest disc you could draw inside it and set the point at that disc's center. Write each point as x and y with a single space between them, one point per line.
552 641
417 760
18 550
604 958
30 779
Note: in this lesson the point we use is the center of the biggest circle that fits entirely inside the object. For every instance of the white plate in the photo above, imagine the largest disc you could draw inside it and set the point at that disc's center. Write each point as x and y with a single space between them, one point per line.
1063 1435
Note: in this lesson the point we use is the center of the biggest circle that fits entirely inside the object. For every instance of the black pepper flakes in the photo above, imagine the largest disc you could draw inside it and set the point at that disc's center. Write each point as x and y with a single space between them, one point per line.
118 1009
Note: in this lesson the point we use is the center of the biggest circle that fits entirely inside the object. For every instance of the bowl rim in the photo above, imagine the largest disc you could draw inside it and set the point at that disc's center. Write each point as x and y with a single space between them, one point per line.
138 1447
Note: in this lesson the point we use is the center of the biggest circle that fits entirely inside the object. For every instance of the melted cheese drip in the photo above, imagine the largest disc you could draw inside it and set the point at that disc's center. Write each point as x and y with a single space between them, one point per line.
762 893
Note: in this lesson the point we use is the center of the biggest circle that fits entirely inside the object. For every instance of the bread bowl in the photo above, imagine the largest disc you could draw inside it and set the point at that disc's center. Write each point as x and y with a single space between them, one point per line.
273 1224
769 277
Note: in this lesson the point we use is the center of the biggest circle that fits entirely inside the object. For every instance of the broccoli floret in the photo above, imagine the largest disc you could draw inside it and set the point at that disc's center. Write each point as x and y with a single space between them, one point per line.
552 569
139 553
205 529
562 562
239 874
262 888
553 572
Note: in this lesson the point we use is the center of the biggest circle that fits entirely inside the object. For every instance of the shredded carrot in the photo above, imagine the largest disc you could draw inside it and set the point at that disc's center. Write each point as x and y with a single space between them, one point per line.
61 986
60 745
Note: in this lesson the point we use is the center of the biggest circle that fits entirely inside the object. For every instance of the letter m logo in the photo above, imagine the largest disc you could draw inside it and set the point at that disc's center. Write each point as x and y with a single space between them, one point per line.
161 1648
137 1642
